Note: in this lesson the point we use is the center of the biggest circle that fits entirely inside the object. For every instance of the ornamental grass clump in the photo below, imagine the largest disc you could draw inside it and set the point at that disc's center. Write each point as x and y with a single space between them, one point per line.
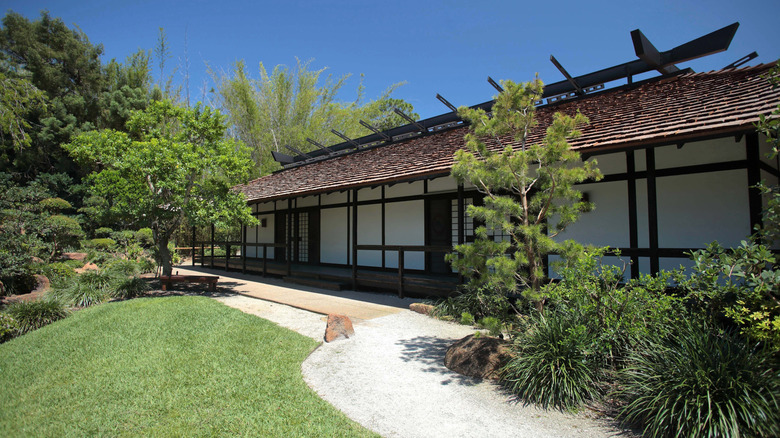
84 290
698 382
31 315
552 366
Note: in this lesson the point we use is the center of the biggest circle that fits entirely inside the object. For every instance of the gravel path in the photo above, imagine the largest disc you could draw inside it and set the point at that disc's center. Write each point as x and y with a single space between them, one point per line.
390 378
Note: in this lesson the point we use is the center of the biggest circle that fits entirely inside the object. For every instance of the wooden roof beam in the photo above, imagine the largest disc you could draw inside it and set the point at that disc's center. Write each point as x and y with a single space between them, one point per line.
375 130
446 103
345 138
646 51
410 120
321 146
568 77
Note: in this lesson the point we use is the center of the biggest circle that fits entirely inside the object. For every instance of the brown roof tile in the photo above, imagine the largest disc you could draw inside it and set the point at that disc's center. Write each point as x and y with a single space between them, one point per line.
671 109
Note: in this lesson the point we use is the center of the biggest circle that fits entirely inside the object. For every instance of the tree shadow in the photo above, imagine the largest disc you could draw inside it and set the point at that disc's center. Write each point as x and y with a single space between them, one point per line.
430 352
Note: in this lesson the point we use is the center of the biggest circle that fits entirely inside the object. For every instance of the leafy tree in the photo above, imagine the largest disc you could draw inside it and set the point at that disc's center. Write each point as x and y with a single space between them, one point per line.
288 106
19 98
174 166
525 185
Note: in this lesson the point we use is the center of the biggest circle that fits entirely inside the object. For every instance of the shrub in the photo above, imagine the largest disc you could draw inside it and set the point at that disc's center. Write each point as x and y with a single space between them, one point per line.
480 302
466 318
8 327
103 232
102 244
127 288
147 265
31 315
551 365
492 324
84 290
54 204
145 237
58 271
123 268
699 383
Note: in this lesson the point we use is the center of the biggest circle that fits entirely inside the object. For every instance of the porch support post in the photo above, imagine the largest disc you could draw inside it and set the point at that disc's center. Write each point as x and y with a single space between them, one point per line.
193 246
212 246
354 238
265 259
243 249
755 203
633 235
652 211
400 272
289 253
461 223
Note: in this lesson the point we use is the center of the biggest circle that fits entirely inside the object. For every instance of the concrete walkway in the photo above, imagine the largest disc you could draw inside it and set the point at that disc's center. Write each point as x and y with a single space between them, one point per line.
358 306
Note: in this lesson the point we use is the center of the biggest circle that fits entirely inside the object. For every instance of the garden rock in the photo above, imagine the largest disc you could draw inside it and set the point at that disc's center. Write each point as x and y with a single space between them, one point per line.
425 309
338 327
87 267
42 284
480 357
80 256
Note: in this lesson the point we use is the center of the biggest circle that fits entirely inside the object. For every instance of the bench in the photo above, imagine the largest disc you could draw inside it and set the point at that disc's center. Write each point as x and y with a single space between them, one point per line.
168 280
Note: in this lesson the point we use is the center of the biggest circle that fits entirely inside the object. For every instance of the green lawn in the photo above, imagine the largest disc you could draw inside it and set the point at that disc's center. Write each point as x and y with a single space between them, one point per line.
174 366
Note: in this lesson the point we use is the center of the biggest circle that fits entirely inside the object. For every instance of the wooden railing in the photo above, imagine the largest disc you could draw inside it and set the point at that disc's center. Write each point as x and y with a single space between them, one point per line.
401 249
227 246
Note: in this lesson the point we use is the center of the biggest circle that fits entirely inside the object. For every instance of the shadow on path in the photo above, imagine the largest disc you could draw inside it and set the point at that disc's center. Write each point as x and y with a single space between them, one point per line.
430 351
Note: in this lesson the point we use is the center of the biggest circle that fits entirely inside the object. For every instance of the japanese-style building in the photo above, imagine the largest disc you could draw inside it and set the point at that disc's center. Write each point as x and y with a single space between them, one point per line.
679 153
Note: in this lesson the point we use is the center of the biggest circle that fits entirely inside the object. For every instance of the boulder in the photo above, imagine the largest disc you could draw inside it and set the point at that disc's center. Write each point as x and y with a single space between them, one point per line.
80 256
480 357
425 309
87 267
42 284
339 327
37 260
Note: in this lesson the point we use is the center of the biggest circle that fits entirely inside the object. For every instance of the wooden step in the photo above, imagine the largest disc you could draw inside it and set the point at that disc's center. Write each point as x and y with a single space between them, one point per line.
315 282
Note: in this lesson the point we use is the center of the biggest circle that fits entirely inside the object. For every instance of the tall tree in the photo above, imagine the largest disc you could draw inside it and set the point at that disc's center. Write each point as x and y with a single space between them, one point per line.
525 185
288 106
175 166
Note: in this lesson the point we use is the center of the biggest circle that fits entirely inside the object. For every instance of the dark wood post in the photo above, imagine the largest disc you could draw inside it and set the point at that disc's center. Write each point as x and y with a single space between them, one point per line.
461 224
193 246
755 204
633 234
227 253
400 272
243 249
265 258
354 239
212 246
289 236
652 211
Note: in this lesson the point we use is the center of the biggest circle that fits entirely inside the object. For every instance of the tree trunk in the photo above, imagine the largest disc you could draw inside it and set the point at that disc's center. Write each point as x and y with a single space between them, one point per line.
165 254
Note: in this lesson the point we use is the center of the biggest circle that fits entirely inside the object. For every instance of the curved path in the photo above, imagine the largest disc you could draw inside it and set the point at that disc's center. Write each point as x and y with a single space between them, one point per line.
390 375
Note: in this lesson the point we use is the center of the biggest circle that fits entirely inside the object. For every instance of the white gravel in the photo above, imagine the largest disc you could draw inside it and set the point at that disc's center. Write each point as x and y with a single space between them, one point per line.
390 377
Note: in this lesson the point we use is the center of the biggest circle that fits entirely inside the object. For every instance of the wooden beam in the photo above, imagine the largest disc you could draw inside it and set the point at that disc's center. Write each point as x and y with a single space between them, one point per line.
652 210
633 227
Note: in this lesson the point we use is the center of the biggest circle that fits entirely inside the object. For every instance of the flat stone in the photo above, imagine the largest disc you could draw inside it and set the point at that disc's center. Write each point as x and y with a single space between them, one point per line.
338 327
425 309
87 267
80 256
42 284
480 357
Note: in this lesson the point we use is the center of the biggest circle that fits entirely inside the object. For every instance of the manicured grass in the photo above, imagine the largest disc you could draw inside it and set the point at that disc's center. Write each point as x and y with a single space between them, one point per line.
174 366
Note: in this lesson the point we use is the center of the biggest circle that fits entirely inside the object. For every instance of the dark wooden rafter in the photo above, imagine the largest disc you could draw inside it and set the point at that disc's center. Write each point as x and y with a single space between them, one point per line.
568 77
355 144
495 85
743 60
297 151
446 103
646 51
320 146
410 120
375 130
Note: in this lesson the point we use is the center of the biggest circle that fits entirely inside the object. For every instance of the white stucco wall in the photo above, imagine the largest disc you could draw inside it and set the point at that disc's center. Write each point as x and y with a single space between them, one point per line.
700 152
696 209
405 225
333 235
334 198
307 201
443 184
404 189
607 224
369 194
369 233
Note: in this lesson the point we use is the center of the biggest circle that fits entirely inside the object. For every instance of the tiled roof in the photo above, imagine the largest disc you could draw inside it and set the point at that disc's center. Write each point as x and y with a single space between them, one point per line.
670 109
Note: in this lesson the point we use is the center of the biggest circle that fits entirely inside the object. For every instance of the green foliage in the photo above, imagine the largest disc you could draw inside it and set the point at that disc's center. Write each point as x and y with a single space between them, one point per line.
58 272
18 99
741 284
103 232
525 186
480 301
9 328
493 325
86 289
290 105
175 166
55 204
102 244
126 288
32 315
145 237
466 318
700 383
618 315
552 365
147 265
121 267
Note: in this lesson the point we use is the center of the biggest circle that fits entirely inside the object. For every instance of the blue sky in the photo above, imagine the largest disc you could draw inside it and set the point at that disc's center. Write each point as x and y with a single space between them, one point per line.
434 46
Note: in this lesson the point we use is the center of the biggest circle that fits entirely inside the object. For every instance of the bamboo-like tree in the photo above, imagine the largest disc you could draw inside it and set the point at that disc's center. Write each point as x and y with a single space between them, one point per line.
528 190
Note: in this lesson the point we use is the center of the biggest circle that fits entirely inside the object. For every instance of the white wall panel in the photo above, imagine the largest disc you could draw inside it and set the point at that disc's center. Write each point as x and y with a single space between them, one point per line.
333 235
404 189
369 194
405 225
607 224
444 184
700 152
369 233
308 201
611 163
694 210
334 198
642 225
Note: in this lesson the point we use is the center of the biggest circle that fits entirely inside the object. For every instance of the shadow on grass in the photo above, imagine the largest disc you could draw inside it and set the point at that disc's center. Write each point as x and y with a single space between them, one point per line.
430 351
